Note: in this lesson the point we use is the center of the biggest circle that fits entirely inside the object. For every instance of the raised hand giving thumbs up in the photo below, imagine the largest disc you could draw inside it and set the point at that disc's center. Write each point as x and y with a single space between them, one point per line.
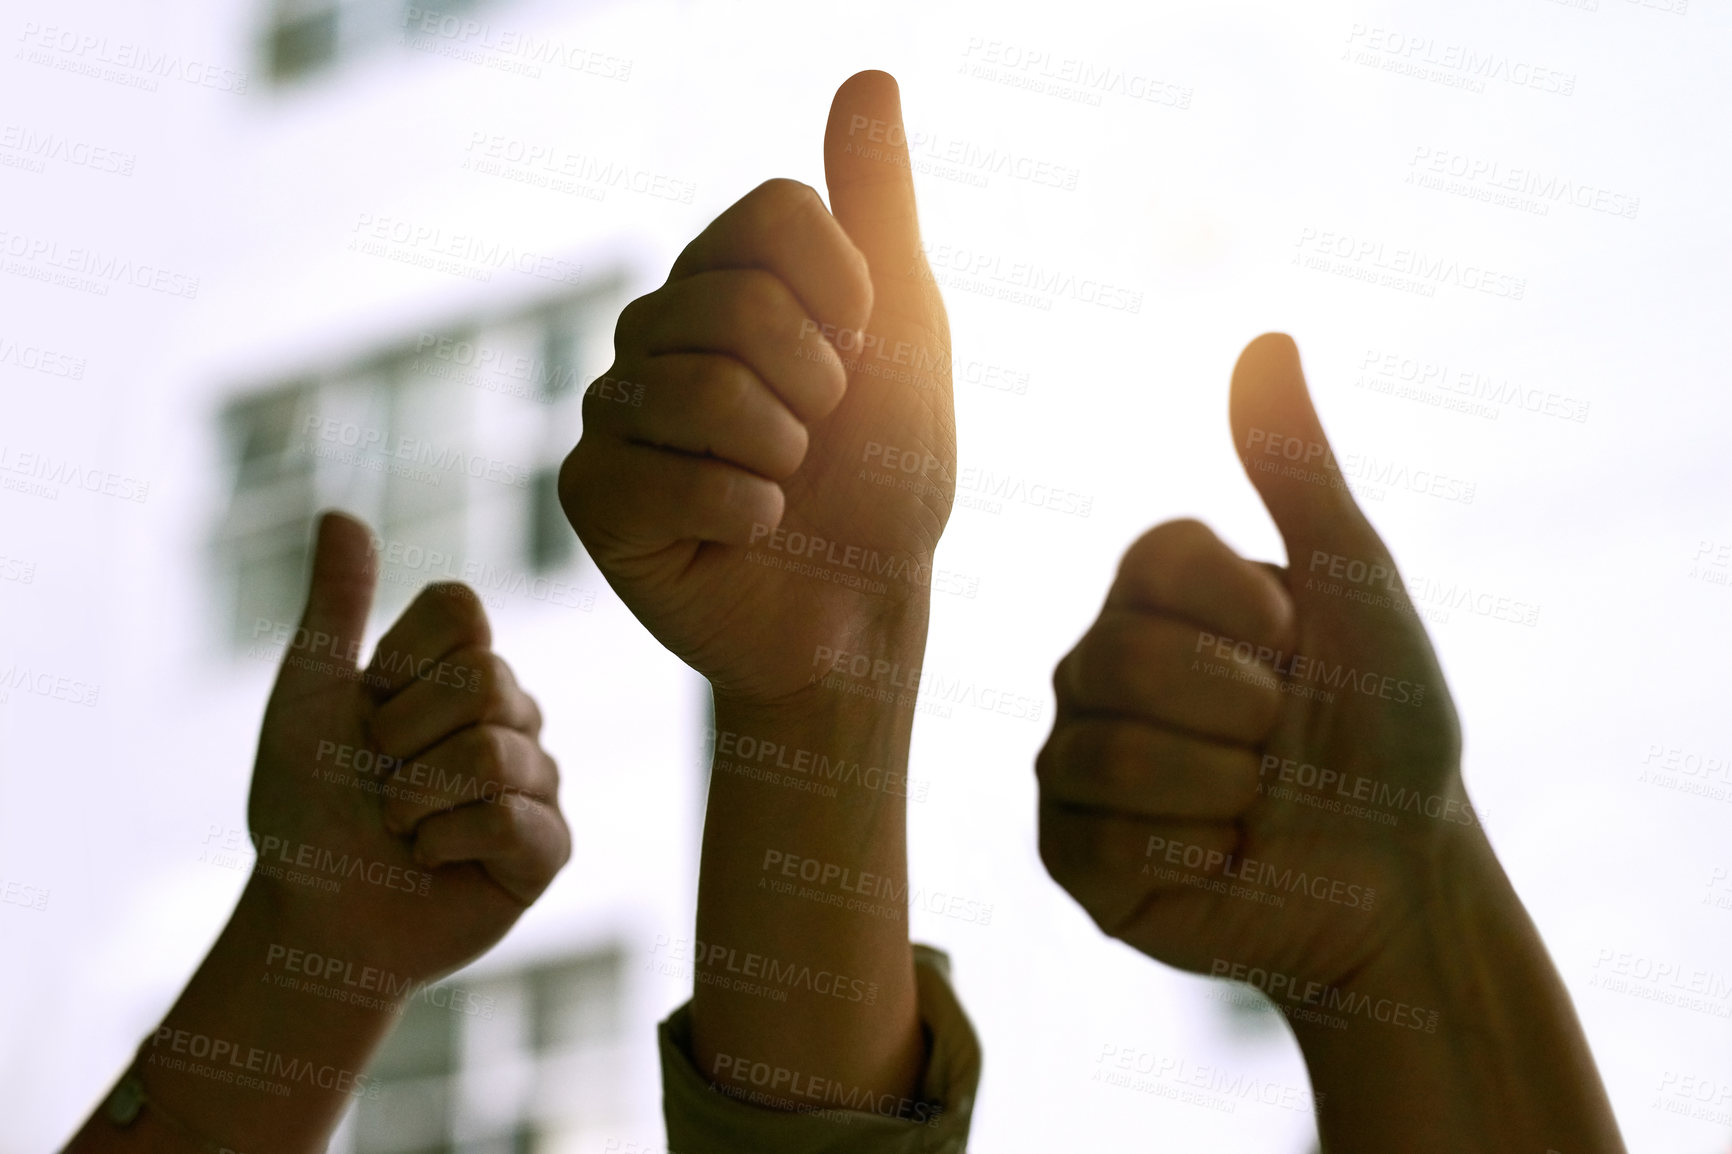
1255 774
404 816
738 511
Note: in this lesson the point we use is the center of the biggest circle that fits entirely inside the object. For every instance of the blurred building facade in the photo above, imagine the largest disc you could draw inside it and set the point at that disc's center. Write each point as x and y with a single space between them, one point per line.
445 434
410 345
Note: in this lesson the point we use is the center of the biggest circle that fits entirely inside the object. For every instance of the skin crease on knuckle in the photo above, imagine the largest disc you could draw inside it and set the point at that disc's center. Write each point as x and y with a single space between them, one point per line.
728 493
773 440
766 314
735 401
538 844
727 387
487 693
791 444
487 752
499 693
783 203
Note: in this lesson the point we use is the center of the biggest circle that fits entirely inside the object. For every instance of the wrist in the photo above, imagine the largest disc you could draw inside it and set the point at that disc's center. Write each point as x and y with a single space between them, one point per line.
823 775
1457 1028
1436 962
869 662
225 1061
295 958
308 944
857 704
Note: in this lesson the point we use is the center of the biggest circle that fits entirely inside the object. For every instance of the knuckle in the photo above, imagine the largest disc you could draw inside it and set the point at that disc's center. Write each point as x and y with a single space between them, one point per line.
1105 660
1063 754
856 278
582 487
512 822
778 199
455 604
485 684
1049 762
713 487
726 386
1086 665
490 753
496 688
1114 921
1064 674
790 451
633 320
571 483
1067 855
1052 855
763 307
1119 757
1172 545
597 412
530 726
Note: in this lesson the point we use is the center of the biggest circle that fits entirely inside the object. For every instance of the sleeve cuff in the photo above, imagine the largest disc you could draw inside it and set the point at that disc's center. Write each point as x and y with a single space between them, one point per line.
706 1119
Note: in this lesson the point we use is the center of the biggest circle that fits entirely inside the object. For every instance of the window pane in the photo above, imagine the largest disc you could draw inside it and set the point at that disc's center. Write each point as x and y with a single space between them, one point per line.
552 544
262 542
423 1044
561 359
577 1004
301 44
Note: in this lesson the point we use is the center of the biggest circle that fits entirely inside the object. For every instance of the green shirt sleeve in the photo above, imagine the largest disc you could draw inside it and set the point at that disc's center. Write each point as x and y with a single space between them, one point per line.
706 1119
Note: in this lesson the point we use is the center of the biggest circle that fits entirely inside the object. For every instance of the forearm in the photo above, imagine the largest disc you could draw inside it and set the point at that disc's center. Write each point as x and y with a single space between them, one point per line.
800 881
1507 1068
235 1040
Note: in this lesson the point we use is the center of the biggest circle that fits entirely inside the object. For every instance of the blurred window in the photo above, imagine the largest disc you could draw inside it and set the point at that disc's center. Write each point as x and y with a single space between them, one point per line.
448 443
529 1060
305 36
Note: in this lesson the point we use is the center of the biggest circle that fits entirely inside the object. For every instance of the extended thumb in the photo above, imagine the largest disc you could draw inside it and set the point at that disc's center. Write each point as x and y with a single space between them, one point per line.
340 593
1285 453
867 170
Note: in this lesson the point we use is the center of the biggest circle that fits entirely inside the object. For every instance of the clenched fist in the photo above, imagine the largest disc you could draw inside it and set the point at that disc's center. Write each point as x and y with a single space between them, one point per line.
1257 767
725 504
404 816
